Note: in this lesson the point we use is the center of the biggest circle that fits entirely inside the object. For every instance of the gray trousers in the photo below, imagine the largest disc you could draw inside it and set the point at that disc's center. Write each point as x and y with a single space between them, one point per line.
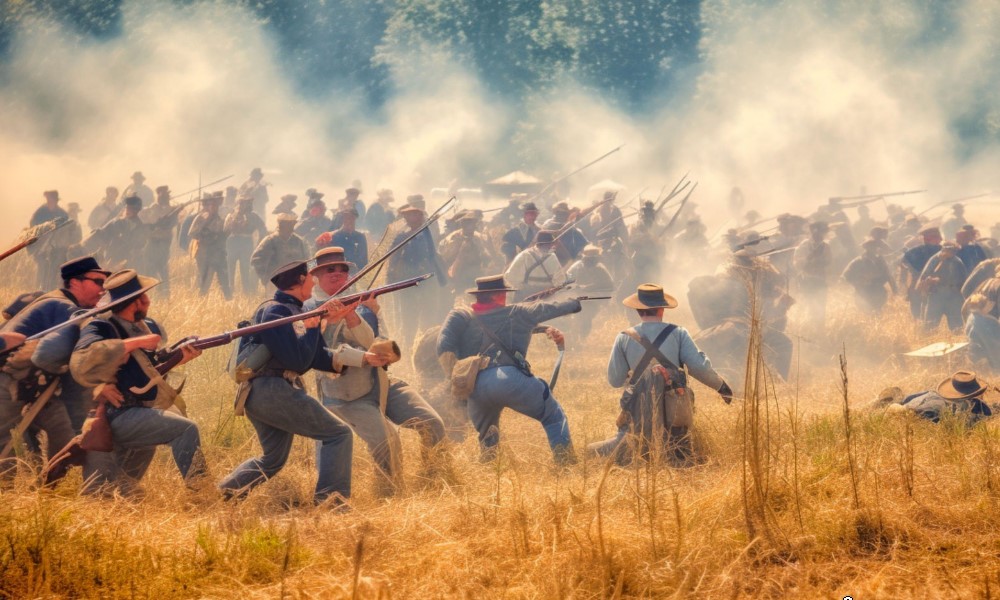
238 251
212 263
53 420
278 411
136 433
405 408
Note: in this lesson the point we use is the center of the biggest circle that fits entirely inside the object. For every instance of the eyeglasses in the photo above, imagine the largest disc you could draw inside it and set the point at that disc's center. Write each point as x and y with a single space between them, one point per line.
335 269
99 282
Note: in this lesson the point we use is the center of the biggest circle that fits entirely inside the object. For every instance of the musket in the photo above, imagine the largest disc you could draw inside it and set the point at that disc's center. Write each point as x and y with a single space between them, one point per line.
615 221
374 264
565 177
565 228
674 192
858 203
175 210
173 355
876 196
71 321
548 293
943 202
34 237
200 186
673 219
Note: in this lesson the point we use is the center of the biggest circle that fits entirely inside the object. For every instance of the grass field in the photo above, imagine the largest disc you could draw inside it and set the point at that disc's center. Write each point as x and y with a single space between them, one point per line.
801 495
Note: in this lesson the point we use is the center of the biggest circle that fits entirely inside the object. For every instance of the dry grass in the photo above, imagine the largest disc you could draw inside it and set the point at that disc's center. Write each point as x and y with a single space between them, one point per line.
916 519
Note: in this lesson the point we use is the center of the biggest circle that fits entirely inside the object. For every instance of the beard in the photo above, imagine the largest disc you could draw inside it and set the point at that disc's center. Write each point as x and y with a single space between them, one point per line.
140 315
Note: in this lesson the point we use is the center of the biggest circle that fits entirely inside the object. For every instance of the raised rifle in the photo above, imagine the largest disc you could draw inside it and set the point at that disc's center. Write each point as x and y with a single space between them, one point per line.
34 234
673 219
170 357
944 202
673 193
548 293
565 177
875 196
565 228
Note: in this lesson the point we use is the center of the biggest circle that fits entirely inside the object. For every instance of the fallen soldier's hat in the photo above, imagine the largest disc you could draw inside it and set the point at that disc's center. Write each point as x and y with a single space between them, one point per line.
961 385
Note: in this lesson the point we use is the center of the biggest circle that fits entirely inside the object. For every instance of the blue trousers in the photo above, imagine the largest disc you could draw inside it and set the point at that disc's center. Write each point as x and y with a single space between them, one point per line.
506 387
278 411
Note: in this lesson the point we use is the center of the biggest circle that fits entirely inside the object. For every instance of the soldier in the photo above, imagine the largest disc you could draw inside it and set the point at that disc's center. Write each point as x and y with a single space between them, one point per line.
417 257
380 213
495 337
286 205
907 235
536 268
813 260
121 241
466 253
519 238
591 278
607 215
255 188
275 400
969 252
869 274
117 354
208 229
661 408
983 272
951 226
312 196
241 226
647 246
50 211
160 220
572 240
862 226
913 263
28 372
350 200
354 243
510 215
229 201
139 189
279 248
691 243
960 395
368 399
941 281
983 331
107 208
314 222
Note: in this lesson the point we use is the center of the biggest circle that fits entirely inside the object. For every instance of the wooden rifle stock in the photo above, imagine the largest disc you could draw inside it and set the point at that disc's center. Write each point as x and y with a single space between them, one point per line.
18 247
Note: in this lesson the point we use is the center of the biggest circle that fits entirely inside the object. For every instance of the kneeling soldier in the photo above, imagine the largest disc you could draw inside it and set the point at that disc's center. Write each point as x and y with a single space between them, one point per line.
368 399
116 354
657 405
494 337
276 402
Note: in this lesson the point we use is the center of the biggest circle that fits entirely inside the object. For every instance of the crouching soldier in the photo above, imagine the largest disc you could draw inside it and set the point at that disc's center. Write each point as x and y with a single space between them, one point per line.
657 405
276 402
489 341
367 398
116 356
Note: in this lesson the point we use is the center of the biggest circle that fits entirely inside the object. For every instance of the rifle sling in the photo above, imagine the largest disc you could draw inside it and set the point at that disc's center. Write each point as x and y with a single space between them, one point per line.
521 365
652 351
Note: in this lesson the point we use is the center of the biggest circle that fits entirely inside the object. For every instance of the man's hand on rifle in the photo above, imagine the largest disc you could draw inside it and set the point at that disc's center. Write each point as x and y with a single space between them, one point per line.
142 342
110 394
11 339
336 311
188 353
372 305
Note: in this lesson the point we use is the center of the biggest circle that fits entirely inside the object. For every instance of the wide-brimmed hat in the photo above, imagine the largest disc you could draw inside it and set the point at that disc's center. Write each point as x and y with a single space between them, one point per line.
352 190
591 250
137 201
315 201
348 210
879 245
314 193
560 207
287 218
162 189
409 208
650 295
926 231
466 215
331 255
528 207
51 194
138 175
545 236
961 385
490 285
289 198
126 285
385 194
80 266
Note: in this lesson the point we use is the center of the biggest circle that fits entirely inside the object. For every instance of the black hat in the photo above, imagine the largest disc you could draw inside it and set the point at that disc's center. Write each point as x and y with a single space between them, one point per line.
79 266
545 237
133 201
348 210
490 285
128 284
315 201
162 189
529 206
290 275
19 303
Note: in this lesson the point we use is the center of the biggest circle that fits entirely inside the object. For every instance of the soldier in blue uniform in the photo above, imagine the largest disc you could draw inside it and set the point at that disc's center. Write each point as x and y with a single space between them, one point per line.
354 243
417 257
520 237
314 222
63 415
274 398
498 335
914 261
116 355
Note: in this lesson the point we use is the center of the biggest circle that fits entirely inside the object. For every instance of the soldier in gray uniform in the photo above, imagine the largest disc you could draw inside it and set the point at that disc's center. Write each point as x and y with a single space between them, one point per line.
279 248
813 259
160 220
245 229
667 412
941 281
869 274
208 229
139 189
255 188
495 337
121 241
368 399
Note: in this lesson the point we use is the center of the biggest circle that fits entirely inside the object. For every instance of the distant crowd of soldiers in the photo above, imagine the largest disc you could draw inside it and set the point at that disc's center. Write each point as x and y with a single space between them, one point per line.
463 318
